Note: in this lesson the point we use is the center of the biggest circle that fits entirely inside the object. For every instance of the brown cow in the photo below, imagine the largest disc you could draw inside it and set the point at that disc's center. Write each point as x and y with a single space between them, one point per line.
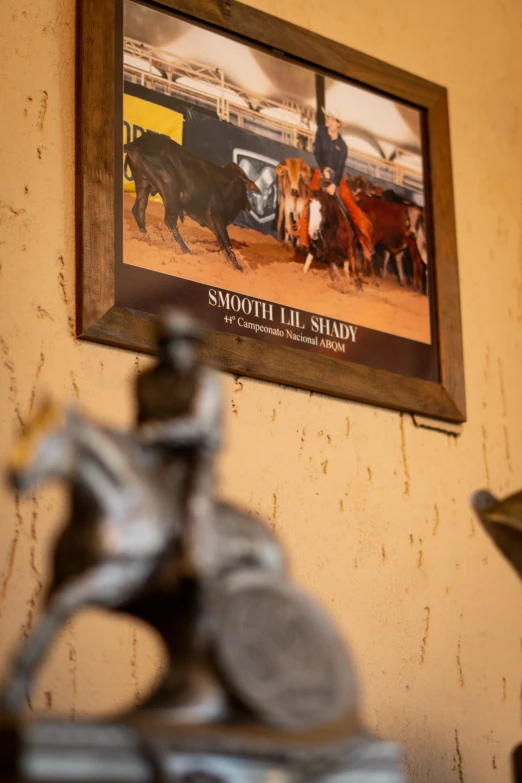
360 185
392 231
293 176
417 227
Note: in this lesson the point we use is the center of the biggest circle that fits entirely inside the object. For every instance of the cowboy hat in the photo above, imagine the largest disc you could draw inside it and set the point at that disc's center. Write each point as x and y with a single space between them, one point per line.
332 113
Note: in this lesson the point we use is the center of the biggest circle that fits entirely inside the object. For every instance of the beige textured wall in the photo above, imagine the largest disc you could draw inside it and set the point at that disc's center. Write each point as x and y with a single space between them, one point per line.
374 511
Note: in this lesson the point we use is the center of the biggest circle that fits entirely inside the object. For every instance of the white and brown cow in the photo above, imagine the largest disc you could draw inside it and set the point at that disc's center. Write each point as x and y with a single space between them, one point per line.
294 175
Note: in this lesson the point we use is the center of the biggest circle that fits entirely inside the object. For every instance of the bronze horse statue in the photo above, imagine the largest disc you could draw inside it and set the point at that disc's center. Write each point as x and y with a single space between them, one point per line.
244 643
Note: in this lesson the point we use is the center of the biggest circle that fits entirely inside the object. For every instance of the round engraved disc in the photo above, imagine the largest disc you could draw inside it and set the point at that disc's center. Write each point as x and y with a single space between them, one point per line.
280 654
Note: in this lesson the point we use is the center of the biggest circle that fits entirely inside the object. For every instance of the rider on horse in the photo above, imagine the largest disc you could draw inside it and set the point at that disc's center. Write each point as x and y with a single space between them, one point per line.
330 152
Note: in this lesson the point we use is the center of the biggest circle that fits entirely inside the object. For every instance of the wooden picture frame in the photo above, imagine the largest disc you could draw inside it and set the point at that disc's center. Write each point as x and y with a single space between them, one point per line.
103 316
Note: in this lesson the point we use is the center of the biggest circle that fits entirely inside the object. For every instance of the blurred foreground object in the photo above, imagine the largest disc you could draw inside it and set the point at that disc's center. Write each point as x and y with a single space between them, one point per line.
259 682
502 519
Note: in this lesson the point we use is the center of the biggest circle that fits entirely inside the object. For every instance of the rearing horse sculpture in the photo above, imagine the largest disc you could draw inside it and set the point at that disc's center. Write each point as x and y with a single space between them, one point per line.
242 640
120 549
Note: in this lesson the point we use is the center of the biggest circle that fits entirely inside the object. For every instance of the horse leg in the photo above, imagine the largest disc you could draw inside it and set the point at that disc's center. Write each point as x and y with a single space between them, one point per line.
367 263
351 261
308 262
335 273
349 265
108 585
365 258
24 667
360 255
386 258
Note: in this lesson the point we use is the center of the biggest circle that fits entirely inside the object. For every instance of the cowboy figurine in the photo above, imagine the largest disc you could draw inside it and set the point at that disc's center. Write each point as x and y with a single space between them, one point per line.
330 152
179 416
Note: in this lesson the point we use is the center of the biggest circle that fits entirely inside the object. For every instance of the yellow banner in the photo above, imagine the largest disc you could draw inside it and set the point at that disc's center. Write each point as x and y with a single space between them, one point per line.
140 116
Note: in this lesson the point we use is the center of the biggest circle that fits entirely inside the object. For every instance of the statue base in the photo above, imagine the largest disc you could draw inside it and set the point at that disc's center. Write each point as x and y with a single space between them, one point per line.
141 749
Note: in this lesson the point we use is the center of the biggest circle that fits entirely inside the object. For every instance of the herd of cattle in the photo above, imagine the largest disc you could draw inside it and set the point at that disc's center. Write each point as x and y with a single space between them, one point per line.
398 232
214 195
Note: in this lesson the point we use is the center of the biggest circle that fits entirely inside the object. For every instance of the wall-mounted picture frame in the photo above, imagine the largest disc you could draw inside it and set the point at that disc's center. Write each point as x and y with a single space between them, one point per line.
293 194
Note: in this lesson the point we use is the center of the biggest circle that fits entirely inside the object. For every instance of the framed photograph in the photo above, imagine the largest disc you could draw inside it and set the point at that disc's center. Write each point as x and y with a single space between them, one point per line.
291 193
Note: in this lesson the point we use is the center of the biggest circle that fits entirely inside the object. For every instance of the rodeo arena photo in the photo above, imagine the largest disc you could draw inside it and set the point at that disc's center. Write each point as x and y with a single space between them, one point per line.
247 172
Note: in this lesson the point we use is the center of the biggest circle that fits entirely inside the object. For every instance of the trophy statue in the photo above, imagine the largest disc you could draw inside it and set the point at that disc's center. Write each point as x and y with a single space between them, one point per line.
259 682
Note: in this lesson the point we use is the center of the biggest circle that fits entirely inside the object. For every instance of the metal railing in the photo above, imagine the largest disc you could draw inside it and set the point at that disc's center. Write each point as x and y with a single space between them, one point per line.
288 122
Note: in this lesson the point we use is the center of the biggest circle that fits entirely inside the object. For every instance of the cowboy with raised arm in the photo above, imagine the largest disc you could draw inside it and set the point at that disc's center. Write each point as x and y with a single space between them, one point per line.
330 152
179 416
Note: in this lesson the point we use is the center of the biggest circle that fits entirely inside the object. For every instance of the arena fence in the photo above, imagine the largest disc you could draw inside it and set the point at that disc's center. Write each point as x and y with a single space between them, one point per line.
288 121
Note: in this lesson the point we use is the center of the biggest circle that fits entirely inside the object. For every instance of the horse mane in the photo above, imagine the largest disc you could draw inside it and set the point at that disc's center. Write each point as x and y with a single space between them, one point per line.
116 452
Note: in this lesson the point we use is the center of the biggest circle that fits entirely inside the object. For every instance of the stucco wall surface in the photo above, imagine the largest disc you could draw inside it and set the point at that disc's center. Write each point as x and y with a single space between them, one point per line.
373 510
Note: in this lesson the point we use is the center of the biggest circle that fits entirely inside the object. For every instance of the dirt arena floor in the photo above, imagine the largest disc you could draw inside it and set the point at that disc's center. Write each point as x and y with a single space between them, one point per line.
272 273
